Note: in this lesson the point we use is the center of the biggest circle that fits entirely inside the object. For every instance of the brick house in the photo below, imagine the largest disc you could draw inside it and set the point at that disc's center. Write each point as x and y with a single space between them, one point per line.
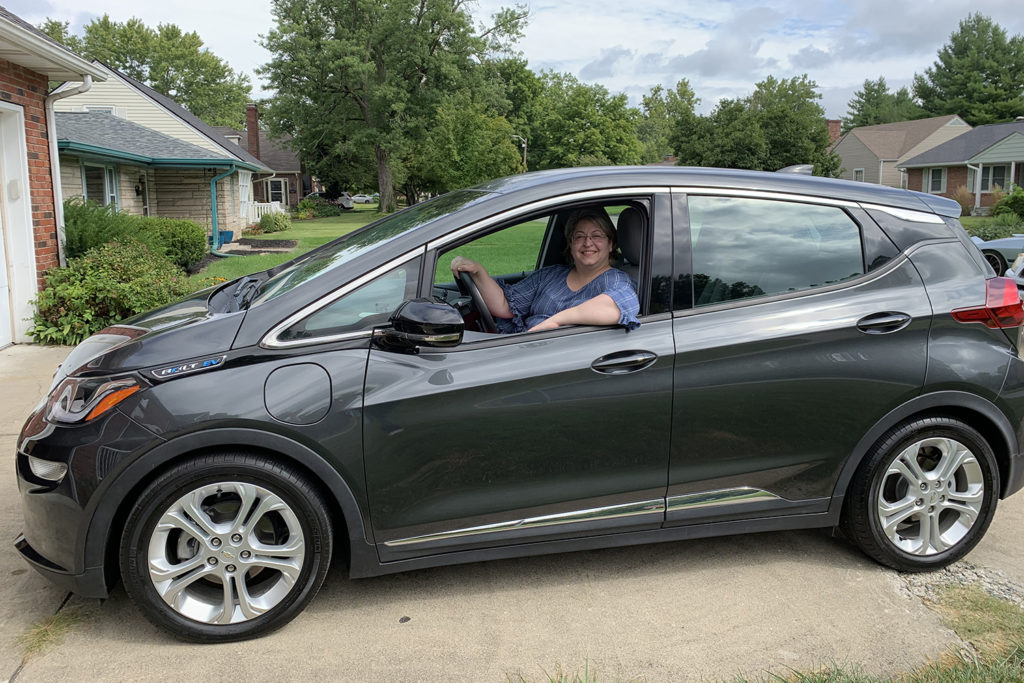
982 159
31 216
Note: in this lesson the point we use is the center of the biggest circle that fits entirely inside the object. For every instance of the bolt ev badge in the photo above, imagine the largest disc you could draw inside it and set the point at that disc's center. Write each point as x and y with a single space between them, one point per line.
184 368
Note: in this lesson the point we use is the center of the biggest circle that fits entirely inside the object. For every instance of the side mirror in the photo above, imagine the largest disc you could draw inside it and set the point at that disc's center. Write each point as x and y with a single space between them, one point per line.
421 322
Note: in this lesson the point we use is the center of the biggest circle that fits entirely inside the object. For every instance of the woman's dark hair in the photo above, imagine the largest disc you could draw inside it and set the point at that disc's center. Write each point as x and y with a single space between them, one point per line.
599 217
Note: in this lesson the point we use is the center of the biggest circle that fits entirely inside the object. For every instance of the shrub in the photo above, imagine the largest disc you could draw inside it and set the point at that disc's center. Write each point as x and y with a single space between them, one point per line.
88 225
114 281
1002 225
275 222
965 198
183 241
1011 203
318 207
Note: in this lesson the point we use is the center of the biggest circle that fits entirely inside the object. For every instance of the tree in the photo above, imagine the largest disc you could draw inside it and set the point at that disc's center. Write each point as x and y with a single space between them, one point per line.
780 124
660 108
168 60
363 79
582 124
979 74
875 104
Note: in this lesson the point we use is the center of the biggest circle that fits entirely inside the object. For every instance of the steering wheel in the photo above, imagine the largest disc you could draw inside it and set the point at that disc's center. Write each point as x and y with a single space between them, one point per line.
469 288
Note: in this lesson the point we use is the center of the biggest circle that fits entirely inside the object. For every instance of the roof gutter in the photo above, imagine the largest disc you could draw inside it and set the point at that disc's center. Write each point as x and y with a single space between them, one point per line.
51 133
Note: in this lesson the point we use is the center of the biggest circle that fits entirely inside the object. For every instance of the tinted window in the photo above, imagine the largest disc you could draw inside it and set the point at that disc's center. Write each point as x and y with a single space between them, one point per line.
755 247
361 309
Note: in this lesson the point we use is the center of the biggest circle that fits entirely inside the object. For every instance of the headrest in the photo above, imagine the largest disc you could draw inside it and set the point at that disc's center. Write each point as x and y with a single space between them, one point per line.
631 234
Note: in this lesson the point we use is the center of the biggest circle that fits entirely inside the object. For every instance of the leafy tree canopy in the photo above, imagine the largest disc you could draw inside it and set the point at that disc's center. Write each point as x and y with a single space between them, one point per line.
778 125
875 104
168 60
659 109
363 80
979 74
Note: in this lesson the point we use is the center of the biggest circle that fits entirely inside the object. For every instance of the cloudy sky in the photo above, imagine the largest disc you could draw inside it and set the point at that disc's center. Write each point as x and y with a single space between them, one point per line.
722 47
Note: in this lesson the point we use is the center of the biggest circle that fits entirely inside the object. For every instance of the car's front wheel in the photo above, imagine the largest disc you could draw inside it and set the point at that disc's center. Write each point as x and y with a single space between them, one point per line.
996 260
924 496
225 547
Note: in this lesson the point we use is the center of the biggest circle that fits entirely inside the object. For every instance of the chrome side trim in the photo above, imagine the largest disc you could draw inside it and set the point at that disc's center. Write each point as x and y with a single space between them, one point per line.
538 205
270 340
907 214
707 499
591 515
763 194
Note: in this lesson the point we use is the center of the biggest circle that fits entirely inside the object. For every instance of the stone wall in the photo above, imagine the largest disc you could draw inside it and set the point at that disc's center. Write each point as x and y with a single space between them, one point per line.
186 194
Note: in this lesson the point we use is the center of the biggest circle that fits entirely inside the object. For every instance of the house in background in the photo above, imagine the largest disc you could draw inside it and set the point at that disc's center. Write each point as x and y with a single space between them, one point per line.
875 154
31 219
123 173
289 183
982 159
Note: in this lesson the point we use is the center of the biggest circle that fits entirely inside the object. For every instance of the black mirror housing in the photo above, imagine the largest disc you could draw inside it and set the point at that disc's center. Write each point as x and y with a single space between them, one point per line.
422 322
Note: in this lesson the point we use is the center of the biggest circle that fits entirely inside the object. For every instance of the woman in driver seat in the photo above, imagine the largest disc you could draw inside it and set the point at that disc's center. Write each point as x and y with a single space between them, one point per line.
587 292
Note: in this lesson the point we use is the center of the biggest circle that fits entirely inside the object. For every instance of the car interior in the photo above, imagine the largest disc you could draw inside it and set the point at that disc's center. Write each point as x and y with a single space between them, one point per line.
512 251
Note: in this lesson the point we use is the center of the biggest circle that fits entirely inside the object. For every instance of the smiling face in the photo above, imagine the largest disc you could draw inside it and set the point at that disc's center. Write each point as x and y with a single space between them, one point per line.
589 244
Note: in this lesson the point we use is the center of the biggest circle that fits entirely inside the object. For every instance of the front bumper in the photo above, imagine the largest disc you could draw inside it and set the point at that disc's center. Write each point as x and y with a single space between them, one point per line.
91 583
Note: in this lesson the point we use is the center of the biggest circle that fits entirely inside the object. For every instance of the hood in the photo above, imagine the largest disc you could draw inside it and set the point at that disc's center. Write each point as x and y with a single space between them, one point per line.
175 332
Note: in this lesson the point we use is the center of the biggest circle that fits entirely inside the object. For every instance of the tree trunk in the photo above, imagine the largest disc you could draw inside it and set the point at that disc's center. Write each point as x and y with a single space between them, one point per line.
384 183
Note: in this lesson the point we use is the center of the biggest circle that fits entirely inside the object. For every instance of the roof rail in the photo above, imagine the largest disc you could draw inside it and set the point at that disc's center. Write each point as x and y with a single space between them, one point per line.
802 169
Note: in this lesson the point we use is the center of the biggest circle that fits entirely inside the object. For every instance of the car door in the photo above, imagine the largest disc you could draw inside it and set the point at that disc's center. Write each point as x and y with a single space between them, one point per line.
511 439
806 326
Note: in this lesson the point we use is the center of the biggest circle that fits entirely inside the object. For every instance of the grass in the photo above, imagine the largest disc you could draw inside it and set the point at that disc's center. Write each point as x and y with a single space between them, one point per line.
49 631
504 253
308 233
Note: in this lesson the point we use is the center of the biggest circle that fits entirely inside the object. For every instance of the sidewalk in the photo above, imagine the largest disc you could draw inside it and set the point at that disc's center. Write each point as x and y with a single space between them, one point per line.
697 610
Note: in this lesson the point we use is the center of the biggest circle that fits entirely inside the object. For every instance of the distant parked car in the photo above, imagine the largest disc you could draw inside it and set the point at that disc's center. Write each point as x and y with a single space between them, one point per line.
362 199
1002 252
344 200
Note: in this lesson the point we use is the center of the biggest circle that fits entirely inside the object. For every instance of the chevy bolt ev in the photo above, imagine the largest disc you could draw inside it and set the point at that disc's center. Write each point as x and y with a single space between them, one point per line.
812 353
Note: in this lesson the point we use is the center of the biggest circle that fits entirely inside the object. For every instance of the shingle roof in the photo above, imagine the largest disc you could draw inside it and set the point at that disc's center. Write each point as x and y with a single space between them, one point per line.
273 152
893 140
191 119
106 131
964 147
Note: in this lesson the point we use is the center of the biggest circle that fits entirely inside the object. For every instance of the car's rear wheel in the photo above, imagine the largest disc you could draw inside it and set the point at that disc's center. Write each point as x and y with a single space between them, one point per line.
924 496
225 547
996 260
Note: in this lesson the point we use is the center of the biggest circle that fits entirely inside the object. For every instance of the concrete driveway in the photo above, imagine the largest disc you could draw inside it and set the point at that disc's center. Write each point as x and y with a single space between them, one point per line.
696 610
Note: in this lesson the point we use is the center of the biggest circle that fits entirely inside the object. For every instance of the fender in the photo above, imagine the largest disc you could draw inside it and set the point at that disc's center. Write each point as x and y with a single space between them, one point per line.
119 490
957 400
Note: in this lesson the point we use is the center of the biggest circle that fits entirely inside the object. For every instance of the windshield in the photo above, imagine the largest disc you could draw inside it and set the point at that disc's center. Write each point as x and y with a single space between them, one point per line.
344 249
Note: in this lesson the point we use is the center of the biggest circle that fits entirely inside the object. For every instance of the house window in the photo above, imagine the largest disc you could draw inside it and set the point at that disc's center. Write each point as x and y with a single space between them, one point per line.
277 190
858 175
99 184
993 176
935 180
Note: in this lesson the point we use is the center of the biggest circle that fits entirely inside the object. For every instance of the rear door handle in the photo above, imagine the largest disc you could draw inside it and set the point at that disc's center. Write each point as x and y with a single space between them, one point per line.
621 362
883 323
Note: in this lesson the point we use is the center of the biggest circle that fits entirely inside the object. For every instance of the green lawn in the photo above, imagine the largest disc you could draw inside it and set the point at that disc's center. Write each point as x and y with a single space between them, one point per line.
308 233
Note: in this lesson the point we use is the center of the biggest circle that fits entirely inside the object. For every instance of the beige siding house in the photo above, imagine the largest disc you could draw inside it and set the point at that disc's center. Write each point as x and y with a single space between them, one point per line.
983 160
128 145
874 154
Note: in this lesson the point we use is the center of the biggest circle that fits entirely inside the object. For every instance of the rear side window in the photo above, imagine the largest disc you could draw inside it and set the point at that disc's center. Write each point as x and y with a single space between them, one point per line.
744 248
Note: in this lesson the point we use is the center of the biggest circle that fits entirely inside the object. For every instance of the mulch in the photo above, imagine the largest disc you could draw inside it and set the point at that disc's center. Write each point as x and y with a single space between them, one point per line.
249 241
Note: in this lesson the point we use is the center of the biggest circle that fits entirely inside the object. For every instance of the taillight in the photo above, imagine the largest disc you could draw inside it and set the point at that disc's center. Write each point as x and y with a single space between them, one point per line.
1003 306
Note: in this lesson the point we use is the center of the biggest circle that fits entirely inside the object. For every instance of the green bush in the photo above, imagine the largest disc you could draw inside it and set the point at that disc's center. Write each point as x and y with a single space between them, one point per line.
998 227
88 225
275 222
1011 203
109 283
317 207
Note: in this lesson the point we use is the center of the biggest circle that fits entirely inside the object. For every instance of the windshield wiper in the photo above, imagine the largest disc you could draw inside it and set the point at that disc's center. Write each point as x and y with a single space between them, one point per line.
246 291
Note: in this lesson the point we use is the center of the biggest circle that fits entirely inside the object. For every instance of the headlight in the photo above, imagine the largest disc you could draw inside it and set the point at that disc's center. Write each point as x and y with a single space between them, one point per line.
80 399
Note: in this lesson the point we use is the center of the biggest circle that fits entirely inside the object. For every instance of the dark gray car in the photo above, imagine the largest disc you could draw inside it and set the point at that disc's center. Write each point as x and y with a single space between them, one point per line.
812 353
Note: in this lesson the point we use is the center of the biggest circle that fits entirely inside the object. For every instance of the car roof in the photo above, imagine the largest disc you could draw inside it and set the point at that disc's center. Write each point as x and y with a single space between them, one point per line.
700 177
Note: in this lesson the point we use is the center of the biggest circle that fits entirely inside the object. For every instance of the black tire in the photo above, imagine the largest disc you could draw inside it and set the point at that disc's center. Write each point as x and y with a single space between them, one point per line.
239 532
891 515
996 260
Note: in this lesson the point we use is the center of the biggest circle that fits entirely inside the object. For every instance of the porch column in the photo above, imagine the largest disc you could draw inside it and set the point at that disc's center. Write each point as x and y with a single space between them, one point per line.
977 186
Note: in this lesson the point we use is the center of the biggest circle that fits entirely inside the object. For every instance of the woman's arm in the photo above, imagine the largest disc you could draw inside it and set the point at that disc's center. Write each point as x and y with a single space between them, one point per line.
490 290
601 310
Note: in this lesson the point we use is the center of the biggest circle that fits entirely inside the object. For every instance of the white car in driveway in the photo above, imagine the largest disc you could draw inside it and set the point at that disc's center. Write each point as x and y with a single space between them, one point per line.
362 199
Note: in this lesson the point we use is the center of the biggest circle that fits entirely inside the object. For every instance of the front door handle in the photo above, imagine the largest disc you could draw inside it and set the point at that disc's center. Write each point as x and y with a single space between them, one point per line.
882 323
621 362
